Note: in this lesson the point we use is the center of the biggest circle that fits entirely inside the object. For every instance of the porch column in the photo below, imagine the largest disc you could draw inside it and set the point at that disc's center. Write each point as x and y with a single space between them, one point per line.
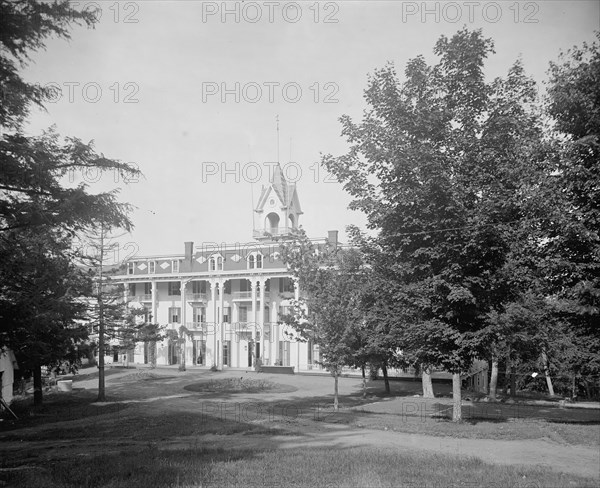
253 312
261 318
213 309
235 330
297 297
154 300
183 323
274 331
221 323
254 284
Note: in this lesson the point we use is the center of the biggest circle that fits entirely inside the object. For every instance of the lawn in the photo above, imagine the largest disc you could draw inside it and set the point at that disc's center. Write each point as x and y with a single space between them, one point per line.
165 428
318 468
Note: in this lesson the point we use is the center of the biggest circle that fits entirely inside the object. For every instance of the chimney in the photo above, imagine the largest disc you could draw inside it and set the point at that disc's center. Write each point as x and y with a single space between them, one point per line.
332 238
189 250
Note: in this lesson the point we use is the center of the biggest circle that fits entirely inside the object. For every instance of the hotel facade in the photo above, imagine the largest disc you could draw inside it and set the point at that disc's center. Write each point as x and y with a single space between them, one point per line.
224 301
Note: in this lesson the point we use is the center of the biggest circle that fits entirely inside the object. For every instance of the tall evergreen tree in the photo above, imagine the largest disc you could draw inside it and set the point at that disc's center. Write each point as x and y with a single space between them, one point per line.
35 206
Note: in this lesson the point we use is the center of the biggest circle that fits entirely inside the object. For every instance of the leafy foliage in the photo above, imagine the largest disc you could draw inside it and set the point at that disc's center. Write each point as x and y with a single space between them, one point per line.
42 289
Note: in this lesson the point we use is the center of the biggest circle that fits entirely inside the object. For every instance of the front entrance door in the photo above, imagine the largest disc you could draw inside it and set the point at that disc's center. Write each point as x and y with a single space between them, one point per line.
173 352
226 353
199 352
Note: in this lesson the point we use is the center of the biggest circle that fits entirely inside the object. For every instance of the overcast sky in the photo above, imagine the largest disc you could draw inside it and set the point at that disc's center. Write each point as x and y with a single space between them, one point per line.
187 89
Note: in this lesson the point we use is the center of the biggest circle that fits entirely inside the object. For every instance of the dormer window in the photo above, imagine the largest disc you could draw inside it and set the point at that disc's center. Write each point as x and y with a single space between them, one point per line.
215 263
255 260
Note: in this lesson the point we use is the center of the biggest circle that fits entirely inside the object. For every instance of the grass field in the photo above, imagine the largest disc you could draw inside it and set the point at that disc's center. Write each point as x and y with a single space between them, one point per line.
164 428
354 467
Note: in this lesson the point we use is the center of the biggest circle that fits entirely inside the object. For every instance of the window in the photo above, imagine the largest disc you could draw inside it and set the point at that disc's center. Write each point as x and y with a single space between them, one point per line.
255 260
146 314
216 263
286 285
132 289
227 315
244 285
198 287
285 310
199 314
226 350
243 313
147 288
267 286
174 315
227 288
174 288
152 267
130 268
175 266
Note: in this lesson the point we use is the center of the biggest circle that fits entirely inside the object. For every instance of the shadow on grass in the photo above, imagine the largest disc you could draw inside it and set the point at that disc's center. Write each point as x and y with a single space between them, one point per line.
143 468
333 466
134 422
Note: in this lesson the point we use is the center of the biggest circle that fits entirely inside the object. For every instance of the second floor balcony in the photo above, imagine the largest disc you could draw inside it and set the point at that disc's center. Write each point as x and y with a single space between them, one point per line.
141 298
242 295
204 327
197 297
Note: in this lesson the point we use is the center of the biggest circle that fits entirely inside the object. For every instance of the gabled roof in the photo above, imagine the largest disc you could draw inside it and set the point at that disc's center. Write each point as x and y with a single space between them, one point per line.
286 192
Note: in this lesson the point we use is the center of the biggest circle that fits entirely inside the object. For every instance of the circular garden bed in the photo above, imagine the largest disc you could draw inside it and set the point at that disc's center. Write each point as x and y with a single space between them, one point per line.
239 385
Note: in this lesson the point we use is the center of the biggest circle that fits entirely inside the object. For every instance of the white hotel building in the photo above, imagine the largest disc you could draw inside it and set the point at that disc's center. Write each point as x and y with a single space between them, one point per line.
228 297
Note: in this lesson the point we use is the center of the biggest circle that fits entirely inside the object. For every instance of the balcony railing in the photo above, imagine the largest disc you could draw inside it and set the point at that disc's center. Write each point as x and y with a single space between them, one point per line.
275 232
141 298
199 326
242 295
196 297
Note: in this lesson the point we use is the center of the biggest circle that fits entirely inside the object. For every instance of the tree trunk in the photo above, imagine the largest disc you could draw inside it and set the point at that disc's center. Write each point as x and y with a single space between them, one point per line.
101 330
38 394
335 391
364 382
507 376
547 373
457 399
182 353
494 378
427 383
386 380
513 381
152 354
